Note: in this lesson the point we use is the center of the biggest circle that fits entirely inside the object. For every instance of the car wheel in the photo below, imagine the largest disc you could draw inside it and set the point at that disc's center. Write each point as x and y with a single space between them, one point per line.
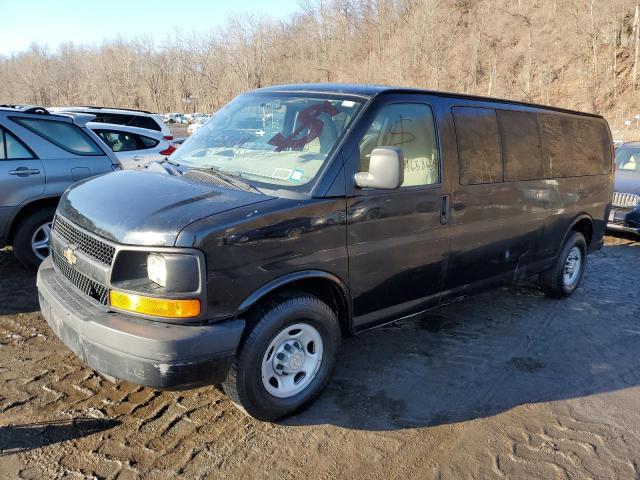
286 359
564 277
31 243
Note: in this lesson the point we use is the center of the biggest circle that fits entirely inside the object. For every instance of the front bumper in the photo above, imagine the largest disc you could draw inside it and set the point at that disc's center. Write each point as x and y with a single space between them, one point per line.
621 228
149 353
624 219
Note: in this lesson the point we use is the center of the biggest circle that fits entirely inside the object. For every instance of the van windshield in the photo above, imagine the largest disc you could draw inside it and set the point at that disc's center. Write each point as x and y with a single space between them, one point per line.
274 139
628 158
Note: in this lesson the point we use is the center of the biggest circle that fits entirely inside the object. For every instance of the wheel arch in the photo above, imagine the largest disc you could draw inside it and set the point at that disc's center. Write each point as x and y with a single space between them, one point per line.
327 286
25 210
582 223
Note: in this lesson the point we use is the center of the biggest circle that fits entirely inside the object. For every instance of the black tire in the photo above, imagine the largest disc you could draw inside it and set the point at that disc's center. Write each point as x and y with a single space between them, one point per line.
244 385
24 232
552 281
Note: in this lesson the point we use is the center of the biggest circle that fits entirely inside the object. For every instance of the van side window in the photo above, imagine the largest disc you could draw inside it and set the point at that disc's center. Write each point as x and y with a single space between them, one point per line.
575 147
479 145
521 146
410 127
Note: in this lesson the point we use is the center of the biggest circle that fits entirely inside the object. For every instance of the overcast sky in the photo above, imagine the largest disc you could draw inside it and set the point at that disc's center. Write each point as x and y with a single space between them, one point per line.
90 22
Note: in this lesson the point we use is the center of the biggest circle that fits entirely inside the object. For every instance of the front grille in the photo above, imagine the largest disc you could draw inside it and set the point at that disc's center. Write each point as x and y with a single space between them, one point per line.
93 247
81 281
625 199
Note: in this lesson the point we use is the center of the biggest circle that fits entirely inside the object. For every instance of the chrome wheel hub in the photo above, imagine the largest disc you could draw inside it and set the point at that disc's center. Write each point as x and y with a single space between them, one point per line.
289 358
572 266
292 360
41 241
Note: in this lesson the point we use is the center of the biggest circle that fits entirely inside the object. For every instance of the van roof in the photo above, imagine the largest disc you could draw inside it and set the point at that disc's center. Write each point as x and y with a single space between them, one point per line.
369 91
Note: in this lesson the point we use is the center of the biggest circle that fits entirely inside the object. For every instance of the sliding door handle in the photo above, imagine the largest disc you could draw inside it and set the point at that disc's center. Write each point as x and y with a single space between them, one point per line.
444 210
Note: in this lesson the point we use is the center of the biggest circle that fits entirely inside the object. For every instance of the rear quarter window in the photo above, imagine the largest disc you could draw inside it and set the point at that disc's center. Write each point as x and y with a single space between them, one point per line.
575 147
65 135
147 142
115 118
145 122
479 145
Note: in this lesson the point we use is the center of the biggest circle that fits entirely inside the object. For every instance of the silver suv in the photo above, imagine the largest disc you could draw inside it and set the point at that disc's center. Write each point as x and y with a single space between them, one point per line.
40 156
122 116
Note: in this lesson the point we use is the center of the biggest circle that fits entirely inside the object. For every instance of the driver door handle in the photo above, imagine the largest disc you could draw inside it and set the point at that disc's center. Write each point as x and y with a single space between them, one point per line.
24 171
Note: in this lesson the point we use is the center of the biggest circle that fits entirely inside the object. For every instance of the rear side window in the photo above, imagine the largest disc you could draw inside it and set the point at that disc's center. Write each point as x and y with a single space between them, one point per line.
13 149
128 120
125 141
65 135
147 142
479 146
589 151
145 122
117 118
521 146
575 147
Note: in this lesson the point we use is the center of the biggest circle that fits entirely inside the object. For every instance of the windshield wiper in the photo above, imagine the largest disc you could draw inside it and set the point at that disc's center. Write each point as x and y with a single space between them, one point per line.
230 179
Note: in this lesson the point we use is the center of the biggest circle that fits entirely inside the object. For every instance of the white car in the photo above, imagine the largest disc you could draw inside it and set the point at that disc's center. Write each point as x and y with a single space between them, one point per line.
122 116
134 147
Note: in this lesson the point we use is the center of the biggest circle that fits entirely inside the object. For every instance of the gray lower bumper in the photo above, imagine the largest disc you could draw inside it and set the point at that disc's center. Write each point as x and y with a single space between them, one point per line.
154 354
621 228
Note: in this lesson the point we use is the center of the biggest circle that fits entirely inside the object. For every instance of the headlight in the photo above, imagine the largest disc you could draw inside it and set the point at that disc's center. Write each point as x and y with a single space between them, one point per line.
157 268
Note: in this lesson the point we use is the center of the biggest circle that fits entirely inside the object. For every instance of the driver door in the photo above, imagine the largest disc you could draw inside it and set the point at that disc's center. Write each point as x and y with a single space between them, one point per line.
398 240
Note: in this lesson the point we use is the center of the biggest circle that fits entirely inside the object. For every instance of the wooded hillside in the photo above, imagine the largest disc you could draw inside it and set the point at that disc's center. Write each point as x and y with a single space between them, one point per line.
580 54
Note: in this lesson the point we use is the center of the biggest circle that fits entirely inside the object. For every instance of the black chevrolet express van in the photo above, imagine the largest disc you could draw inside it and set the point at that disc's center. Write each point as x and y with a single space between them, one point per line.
302 214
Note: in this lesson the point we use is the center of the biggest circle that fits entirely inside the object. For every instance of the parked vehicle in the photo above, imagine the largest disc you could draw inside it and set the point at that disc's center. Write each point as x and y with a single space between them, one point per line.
625 211
248 257
40 156
122 116
174 118
134 147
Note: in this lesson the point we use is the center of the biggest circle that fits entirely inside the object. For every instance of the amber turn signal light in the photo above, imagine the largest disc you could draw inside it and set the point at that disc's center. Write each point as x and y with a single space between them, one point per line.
158 307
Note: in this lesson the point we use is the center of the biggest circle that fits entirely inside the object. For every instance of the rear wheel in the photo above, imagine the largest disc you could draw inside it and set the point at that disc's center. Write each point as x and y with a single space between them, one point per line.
31 243
564 277
286 359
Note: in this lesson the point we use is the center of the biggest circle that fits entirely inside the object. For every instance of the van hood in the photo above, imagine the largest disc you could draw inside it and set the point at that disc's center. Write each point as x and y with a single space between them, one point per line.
627 181
146 208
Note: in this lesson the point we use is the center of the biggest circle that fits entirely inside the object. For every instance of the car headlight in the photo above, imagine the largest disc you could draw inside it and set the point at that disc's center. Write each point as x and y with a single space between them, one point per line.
175 272
157 268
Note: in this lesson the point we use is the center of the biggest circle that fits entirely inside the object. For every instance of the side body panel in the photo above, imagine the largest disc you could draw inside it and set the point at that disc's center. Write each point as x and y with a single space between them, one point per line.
249 247
502 232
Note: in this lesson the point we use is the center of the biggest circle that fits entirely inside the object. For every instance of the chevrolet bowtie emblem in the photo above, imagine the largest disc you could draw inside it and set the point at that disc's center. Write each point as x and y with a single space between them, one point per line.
70 256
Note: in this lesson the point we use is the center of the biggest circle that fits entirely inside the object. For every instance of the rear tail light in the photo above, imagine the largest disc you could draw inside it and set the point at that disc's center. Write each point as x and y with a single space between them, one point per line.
168 137
168 151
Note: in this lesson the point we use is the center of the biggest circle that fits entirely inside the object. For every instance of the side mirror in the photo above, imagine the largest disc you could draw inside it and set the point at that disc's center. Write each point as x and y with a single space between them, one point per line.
386 169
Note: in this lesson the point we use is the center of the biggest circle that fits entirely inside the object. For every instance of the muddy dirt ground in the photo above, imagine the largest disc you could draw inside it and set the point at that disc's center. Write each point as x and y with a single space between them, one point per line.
508 384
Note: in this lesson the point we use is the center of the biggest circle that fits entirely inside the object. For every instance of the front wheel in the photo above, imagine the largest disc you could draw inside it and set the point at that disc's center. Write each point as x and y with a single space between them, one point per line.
286 359
563 278
32 240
